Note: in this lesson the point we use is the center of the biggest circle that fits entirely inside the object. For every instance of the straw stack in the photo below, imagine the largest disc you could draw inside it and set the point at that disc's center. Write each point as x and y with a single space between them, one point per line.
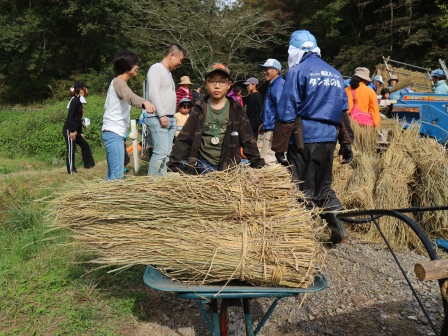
409 172
243 224
431 186
392 190
419 81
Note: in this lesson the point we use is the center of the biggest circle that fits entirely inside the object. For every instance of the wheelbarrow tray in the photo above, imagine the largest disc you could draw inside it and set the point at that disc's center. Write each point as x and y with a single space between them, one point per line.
234 289
229 293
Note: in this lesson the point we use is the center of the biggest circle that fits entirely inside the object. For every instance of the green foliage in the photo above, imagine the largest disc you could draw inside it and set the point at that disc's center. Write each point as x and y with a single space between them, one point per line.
39 133
42 43
45 47
214 31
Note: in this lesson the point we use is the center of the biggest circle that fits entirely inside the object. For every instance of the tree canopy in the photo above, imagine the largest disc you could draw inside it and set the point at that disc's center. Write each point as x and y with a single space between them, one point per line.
46 45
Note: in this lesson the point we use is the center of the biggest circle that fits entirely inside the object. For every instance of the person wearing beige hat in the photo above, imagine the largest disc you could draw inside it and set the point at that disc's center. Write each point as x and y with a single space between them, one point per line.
394 94
362 101
184 90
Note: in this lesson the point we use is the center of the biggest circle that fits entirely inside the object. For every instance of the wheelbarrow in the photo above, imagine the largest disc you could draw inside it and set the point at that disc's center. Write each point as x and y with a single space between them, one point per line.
232 316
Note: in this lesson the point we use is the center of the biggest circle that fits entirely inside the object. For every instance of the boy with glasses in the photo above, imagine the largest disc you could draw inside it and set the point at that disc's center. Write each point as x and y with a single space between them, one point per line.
271 71
215 130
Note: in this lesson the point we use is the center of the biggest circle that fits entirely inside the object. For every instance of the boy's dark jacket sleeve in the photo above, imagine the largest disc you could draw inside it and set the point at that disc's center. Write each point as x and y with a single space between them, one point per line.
184 141
249 143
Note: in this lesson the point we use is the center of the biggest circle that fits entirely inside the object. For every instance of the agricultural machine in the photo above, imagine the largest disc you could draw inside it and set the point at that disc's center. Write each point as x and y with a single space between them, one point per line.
428 109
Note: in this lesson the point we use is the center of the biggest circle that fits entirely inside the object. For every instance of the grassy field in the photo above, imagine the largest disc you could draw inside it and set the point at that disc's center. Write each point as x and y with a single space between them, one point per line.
46 288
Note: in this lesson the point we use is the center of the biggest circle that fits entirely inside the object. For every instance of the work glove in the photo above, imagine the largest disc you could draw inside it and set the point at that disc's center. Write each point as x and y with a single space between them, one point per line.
281 158
346 153
133 135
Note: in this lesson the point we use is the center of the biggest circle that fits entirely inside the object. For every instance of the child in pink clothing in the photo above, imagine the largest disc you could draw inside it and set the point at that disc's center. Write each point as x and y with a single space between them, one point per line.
236 95
181 116
184 90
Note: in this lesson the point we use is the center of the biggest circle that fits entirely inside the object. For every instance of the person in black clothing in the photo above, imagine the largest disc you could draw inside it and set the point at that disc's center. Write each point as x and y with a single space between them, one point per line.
254 104
197 96
72 130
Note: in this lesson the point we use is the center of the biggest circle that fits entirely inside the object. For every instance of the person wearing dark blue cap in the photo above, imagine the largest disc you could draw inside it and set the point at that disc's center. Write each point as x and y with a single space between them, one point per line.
314 94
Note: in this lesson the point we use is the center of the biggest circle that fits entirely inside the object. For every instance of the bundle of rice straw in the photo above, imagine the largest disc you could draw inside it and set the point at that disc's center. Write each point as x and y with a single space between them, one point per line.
392 189
431 183
418 80
242 224
362 182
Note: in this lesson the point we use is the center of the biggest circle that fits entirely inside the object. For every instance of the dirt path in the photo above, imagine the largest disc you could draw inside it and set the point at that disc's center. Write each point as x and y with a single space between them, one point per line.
366 295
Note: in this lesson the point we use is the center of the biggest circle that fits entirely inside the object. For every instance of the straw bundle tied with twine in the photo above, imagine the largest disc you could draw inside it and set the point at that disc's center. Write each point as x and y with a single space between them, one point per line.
396 172
409 172
419 81
242 224
431 185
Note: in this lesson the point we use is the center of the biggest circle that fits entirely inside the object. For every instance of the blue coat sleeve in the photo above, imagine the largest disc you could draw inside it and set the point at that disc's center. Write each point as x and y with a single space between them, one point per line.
271 105
290 98
372 86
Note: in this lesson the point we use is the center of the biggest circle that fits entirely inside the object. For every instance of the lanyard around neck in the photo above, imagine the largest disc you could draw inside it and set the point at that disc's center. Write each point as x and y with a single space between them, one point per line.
212 120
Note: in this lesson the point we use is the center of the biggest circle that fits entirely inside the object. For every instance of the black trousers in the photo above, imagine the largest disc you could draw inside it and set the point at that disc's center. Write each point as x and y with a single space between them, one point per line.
312 170
87 157
255 130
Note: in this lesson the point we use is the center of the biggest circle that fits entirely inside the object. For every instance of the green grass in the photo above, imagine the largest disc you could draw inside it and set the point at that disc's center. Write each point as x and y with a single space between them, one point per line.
46 286
37 135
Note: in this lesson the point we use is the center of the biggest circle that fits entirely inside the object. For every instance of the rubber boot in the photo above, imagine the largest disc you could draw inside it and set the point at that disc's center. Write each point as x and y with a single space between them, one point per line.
338 232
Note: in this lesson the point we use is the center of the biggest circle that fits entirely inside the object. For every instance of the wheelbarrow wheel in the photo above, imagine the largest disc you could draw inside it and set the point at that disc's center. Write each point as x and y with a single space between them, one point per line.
232 318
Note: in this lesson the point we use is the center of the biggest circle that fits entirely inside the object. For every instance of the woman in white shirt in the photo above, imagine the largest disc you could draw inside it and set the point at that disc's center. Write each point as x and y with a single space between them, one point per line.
117 117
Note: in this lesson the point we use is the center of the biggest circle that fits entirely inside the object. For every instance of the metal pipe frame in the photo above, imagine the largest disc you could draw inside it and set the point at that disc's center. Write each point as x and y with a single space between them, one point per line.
375 214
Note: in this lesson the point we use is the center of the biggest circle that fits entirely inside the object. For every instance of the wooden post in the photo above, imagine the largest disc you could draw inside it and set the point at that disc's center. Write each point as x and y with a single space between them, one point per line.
432 270
135 147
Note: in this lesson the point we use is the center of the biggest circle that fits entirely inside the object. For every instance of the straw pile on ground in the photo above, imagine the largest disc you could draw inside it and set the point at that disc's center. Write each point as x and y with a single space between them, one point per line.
243 224
409 172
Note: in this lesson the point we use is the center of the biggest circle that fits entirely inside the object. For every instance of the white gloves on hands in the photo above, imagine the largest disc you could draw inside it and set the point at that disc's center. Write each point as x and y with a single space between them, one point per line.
133 135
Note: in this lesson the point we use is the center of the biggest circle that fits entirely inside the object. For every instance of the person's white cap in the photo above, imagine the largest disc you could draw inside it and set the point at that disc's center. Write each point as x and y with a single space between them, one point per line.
271 63
378 78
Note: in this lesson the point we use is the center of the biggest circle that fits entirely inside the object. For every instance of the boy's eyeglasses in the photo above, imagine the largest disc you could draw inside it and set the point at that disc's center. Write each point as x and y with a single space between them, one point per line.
220 83
188 106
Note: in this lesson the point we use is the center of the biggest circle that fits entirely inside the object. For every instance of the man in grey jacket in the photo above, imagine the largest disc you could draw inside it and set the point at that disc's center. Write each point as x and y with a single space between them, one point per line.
161 92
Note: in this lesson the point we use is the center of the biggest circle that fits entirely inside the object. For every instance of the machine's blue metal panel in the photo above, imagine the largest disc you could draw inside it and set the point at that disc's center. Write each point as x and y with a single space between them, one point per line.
430 110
